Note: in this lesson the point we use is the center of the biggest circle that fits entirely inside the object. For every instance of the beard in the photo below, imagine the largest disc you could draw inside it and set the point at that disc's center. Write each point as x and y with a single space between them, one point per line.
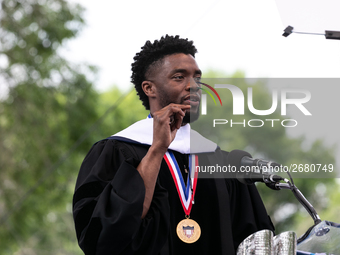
190 117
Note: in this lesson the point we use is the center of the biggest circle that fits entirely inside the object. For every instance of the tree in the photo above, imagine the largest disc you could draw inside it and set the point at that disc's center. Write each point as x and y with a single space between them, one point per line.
46 104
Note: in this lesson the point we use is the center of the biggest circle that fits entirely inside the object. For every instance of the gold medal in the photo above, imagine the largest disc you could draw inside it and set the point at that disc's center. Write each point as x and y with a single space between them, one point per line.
188 230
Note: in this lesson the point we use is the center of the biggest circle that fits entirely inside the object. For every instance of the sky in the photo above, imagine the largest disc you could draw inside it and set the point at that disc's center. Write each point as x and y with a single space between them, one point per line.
230 35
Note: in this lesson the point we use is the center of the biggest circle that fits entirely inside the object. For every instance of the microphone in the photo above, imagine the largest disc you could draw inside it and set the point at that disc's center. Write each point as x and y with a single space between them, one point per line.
245 166
260 163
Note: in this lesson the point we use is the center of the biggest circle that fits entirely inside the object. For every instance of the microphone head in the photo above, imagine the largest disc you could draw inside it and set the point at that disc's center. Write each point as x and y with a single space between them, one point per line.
234 160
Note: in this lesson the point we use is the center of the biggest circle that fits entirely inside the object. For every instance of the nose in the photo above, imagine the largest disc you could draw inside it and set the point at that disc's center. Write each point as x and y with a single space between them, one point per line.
193 85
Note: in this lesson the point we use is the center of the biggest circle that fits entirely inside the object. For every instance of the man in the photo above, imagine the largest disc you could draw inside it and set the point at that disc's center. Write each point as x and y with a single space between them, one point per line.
131 197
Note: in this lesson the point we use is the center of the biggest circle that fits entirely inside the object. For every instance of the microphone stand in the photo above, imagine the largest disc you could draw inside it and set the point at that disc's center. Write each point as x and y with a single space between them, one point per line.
289 184
301 198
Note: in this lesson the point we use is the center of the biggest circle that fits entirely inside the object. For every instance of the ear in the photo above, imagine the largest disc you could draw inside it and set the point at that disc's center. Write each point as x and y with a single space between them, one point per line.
149 88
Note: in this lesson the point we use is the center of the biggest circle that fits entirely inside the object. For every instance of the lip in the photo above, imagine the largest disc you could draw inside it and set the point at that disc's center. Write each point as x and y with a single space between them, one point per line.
192 99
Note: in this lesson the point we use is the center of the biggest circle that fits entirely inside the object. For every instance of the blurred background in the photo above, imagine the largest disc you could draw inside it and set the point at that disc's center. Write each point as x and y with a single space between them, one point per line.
65 84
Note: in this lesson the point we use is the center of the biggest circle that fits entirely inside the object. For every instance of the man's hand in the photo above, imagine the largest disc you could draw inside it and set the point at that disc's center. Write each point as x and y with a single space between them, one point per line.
166 122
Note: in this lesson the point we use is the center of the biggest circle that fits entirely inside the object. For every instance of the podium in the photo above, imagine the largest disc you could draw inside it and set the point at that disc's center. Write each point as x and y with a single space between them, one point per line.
322 238
265 243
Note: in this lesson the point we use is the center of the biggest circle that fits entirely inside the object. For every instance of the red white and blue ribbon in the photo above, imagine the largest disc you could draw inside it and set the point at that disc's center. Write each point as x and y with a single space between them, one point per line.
186 192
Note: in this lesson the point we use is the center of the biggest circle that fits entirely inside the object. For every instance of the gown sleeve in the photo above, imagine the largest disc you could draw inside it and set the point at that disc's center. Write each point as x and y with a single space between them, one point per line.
108 203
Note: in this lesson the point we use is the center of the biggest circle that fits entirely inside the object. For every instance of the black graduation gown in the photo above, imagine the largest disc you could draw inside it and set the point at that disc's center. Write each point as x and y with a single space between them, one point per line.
108 204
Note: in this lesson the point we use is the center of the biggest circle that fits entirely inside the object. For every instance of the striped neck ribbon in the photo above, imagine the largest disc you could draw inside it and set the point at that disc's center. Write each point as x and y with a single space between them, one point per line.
186 192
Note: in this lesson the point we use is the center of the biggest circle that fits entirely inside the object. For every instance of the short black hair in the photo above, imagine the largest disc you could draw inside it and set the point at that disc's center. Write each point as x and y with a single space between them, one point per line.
153 52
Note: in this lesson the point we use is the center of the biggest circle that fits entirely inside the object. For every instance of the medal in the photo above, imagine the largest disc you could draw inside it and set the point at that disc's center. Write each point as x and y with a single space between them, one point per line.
187 230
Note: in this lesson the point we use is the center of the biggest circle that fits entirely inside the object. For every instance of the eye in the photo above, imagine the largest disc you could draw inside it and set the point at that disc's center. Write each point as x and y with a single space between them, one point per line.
197 79
178 77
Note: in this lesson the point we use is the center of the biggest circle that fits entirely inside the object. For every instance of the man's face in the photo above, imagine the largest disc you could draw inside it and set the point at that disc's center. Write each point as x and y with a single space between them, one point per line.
175 81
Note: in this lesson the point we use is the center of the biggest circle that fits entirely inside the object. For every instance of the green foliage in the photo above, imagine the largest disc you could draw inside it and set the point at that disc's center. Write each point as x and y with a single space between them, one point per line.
49 119
46 104
50 116
127 112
